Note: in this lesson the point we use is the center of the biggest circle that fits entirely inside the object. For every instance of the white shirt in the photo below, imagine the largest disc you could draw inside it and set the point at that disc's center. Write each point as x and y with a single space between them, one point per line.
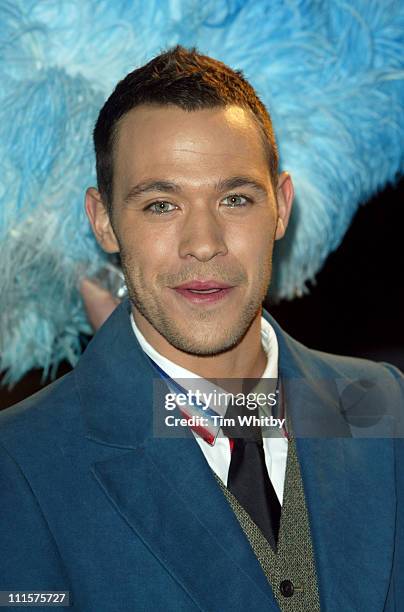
218 456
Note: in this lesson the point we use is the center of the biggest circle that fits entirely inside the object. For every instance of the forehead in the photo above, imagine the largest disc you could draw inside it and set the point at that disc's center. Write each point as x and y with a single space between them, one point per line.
166 139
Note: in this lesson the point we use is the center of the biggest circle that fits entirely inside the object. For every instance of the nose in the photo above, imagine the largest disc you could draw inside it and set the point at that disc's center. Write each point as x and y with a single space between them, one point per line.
202 235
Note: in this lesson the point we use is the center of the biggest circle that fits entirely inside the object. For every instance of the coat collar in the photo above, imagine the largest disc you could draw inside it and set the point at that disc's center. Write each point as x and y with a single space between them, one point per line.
164 489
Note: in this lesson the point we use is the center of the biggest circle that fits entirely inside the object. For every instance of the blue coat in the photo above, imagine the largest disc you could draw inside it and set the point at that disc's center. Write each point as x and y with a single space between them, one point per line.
93 503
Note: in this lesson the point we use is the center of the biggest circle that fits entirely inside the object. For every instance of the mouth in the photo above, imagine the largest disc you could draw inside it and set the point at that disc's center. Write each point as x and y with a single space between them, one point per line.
203 292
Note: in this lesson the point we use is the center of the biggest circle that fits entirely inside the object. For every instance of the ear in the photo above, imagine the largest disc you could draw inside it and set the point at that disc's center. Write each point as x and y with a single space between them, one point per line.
284 196
100 222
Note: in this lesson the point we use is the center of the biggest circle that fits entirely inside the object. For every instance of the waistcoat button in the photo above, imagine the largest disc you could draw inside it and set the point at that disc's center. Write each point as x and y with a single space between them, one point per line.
287 588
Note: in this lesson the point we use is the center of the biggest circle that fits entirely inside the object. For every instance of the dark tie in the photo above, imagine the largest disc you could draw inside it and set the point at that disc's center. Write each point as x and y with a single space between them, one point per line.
249 482
248 478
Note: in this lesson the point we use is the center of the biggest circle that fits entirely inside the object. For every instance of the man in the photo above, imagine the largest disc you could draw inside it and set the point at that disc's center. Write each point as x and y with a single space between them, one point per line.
94 502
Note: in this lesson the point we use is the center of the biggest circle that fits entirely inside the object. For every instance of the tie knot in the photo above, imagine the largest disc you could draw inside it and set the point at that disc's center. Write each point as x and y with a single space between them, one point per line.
241 423
243 434
240 446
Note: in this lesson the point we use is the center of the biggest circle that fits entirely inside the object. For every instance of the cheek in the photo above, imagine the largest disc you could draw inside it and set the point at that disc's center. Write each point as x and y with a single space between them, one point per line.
254 246
146 252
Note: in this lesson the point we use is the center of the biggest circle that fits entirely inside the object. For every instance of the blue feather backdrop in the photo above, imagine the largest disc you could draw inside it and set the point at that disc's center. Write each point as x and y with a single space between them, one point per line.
331 74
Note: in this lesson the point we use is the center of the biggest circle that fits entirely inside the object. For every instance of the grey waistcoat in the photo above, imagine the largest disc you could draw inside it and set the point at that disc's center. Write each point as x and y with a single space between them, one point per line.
294 559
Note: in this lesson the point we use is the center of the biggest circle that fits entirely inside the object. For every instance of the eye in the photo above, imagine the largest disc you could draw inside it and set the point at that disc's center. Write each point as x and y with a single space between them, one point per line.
160 208
236 201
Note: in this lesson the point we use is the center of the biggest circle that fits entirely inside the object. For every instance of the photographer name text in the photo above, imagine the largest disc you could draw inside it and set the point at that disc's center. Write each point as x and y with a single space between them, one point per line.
217 420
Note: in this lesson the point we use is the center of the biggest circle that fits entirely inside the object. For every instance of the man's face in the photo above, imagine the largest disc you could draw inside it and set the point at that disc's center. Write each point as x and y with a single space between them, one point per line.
195 218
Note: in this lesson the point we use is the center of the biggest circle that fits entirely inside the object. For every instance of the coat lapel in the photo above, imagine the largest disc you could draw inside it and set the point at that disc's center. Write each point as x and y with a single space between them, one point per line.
167 494
163 487
349 485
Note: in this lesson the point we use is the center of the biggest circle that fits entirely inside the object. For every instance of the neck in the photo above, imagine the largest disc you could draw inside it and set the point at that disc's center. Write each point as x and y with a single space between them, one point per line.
246 360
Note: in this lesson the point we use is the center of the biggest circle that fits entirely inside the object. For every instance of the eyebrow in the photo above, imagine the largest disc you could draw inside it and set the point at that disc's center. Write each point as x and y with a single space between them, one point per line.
233 182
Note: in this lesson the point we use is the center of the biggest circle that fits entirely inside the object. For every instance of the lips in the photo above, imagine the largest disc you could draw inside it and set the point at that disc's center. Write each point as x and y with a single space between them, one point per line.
203 292
203 285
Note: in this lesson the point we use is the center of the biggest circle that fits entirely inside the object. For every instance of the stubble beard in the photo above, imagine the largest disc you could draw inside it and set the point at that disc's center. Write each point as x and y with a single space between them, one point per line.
217 338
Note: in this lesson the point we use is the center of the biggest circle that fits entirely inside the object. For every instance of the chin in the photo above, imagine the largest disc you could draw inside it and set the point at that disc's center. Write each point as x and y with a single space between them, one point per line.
204 350
206 347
